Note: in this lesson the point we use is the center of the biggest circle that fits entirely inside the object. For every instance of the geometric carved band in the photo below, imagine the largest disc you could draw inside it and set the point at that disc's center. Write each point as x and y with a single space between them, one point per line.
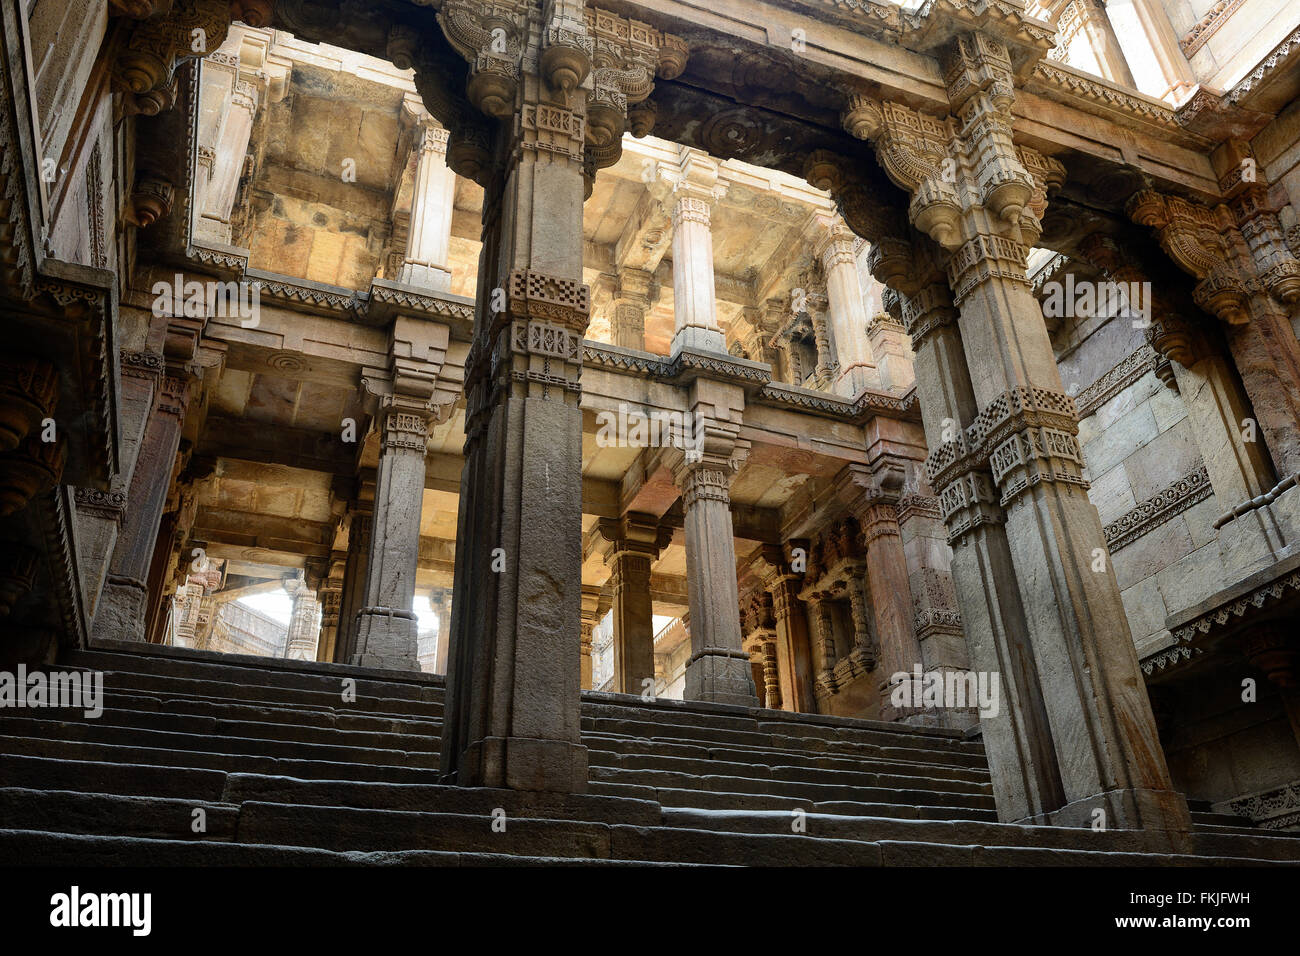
566 302
1159 508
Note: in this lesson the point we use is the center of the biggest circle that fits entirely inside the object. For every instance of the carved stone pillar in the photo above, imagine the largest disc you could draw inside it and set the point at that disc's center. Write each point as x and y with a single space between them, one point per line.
304 634
512 716
631 303
1025 429
440 601
847 311
694 294
630 547
221 162
432 201
355 574
593 609
124 603
1017 739
873 500
718 669
794 659
331 598
386 625
100 513
759 626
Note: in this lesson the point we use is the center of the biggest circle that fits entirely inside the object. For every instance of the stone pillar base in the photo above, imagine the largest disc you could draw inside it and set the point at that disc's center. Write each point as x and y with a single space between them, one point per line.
121 610
721 676
694 338
387 638
524 763
424 277
1162 815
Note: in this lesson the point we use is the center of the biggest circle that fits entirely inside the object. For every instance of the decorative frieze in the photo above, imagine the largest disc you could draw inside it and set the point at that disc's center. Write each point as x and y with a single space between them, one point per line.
1159 508
1136 364
1208 25
110 505
1277 809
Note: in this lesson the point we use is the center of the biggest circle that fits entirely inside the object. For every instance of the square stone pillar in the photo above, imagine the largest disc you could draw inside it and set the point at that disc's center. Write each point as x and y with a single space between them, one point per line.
847 311
124 604
631 545
794 656
428 244
100 514
354 582
631 303
304 632
513 692
694 294
718 669
386 623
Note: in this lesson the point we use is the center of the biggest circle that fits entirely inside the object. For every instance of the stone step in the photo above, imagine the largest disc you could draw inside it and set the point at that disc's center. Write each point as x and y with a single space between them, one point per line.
245 763
721 800
129 779
967 832
724 717
830 771
345 716
42 848
811 793
899 745
795 735
134 682
65 811
90 731
752 779
248 670
481 801
813 750
270 730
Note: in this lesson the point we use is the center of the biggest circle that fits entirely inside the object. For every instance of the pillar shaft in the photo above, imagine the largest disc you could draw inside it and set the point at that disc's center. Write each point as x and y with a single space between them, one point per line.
386 623
794 661
848 313
512 716
694 295
718 669
634 638
428 244
124 605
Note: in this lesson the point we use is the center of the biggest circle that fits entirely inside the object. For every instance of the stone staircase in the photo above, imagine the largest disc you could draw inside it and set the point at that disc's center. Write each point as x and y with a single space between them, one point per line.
287 773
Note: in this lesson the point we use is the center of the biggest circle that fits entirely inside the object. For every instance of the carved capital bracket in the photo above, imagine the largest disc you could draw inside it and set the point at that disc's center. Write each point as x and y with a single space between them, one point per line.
147 59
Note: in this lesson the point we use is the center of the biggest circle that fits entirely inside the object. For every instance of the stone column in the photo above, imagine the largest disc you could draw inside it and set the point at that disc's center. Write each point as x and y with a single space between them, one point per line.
355 574
304 634
330 599
100 514
630 547
428 244
124 603
1105 736
718 669
848 314
866 644
631 303
1017 739
1105 45
694 295
593 609
440 601
794 663
227 163
386 623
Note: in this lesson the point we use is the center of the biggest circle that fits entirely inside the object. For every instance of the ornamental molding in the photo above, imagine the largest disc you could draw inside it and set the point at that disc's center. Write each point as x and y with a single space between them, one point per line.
1277 809
1281 53
1130 369
1188 490
1208 25
1222 616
